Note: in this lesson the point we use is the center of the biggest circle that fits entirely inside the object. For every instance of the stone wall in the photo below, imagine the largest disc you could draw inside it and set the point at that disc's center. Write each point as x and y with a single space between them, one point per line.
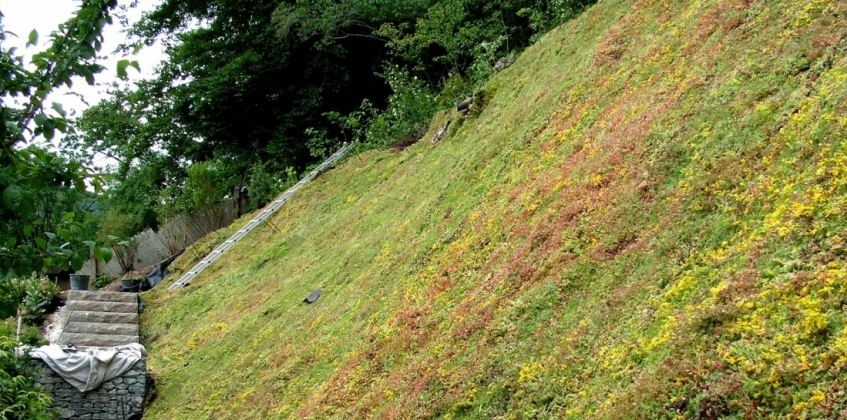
117 399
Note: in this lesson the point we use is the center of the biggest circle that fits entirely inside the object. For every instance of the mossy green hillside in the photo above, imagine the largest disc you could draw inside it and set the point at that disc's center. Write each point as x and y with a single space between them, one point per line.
647 220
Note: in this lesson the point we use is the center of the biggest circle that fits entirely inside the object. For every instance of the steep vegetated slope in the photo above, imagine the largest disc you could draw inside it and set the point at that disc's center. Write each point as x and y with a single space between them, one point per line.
646 220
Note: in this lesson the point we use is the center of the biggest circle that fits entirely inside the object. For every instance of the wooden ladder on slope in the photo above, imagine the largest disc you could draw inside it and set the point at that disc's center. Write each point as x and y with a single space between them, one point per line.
266 212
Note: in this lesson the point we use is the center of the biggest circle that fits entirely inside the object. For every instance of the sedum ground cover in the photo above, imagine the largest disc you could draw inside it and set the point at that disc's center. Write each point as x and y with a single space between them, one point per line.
646 220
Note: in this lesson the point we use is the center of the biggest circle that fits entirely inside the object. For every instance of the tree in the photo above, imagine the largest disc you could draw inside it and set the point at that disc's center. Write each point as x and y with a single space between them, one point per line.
136 129
25 167
237 86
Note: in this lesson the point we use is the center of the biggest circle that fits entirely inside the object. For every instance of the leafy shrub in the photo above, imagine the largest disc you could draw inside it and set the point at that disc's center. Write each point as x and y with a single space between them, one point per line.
20 397
29 334
103 280
204 188
25 294
37 290
262 187
124 251
485 55
409 109
123 225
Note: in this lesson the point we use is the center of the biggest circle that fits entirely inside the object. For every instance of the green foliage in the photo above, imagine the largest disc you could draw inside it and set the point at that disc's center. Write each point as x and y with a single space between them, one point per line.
72 52
20 397
23 295
470 36
27 172
38 289
264 187
115 225
116 232
239 87
12 292
103 280
124 252
30 335
205 185
408 112
47 214
135 128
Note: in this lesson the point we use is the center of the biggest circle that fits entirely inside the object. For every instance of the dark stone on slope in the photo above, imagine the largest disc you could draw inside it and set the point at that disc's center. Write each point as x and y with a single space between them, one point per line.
313 297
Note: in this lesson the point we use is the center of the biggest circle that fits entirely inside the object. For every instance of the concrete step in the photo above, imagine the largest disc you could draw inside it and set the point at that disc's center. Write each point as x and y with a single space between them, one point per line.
98 306
108 317
97 340
102 296
102 328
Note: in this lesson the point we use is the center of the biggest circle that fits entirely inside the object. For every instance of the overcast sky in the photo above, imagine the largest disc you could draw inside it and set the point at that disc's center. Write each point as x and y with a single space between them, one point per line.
22 16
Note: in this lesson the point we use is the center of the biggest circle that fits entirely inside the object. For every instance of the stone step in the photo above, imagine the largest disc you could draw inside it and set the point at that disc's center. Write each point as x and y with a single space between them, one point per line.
101 328
96 340
102 296
97 306
107 317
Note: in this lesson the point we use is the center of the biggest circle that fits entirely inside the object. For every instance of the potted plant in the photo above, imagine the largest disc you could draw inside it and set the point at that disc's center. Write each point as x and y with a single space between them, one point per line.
131 284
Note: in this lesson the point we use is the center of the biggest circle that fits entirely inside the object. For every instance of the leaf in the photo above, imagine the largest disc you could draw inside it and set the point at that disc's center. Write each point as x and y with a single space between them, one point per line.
27 230
65 234
61 125
40 119
33 38
11 194
90 244
112 238
41 242
67 216
48 262
122 69
124 243
51 235
25 207
85 72
12 242
77 262
107 254
79 183
58 108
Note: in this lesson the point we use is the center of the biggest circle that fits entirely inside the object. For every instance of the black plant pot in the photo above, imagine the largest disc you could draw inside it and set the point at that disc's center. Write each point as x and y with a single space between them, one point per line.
79 281
131 285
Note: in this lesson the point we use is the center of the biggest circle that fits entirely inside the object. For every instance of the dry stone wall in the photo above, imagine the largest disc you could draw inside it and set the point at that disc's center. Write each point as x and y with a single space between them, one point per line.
117 399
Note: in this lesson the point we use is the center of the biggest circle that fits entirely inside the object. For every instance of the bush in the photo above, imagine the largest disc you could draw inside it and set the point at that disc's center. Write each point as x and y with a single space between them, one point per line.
262 187
104 280
123 225
409 111
204 188
25 295
20 397
124 252
29 335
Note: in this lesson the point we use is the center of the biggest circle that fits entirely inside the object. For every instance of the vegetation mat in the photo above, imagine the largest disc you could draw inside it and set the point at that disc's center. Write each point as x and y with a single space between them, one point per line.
645 220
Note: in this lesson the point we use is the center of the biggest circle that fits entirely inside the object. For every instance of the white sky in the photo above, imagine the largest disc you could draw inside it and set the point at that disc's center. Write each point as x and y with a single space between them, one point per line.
22 16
